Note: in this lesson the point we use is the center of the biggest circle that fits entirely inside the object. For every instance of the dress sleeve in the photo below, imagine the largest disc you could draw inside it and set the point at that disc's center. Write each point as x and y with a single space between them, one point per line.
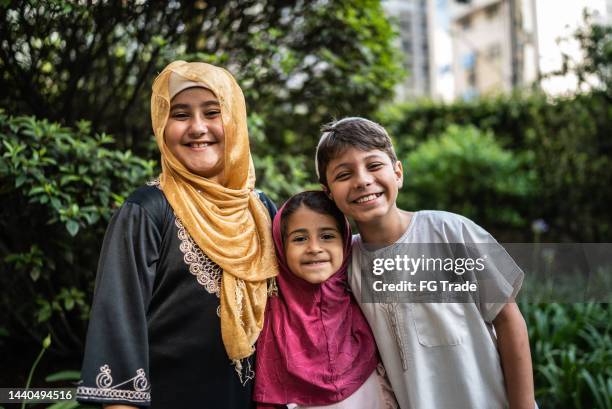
500 278
268 203
116 363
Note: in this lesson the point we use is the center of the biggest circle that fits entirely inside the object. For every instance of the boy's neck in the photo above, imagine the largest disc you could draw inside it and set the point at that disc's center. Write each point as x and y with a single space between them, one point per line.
385 230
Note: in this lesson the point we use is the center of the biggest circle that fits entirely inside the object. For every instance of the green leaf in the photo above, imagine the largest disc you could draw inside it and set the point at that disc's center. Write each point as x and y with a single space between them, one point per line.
69 304
35 190
20 180
72 227
69 178
71 404
35 274
64 376
47 342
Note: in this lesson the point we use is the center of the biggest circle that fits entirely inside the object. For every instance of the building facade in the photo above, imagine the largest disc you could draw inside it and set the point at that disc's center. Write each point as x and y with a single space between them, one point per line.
413 25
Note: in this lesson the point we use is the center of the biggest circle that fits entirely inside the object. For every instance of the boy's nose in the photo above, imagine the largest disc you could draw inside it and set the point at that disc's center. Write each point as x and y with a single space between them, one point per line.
363 179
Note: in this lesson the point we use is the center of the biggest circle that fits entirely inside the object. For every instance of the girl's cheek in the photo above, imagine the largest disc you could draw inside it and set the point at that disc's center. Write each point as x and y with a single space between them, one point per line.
289 255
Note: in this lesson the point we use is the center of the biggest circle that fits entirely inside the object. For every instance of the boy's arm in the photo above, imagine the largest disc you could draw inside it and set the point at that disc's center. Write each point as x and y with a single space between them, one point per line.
513 344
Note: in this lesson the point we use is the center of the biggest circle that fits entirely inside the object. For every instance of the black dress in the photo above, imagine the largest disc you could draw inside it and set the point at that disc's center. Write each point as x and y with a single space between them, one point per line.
154 336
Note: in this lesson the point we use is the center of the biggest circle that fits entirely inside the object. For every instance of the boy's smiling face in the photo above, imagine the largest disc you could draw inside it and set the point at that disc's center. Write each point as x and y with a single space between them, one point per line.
364 184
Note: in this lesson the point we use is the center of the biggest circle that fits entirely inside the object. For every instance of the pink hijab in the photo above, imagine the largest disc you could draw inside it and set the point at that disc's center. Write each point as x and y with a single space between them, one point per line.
316 347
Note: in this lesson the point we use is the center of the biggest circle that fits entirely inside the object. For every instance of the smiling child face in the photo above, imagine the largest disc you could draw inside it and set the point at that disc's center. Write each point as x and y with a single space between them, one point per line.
313 245
364 184
194 132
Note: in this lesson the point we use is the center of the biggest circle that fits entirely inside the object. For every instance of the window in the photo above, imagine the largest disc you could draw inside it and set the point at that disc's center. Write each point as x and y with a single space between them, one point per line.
494 51
491 11
466 23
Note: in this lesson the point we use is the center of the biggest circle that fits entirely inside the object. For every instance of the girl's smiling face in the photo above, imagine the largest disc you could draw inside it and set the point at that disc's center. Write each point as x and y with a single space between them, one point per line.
194 132
313 245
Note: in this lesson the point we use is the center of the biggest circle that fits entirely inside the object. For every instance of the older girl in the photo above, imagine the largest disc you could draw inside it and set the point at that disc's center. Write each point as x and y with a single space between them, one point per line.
181 285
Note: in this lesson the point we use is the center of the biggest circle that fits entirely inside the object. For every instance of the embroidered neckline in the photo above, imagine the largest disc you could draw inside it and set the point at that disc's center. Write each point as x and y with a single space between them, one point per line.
207 272
105 390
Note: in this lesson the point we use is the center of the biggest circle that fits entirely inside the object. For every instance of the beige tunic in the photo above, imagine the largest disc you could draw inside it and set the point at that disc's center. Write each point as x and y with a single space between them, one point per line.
439 355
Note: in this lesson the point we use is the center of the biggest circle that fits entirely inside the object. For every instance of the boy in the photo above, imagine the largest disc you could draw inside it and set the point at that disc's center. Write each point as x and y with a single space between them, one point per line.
437 355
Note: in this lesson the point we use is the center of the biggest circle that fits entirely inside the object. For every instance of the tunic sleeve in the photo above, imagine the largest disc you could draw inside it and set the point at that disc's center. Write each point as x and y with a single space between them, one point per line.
116 363
500 279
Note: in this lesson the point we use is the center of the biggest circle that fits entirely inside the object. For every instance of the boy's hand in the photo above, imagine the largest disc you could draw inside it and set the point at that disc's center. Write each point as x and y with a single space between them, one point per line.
513 344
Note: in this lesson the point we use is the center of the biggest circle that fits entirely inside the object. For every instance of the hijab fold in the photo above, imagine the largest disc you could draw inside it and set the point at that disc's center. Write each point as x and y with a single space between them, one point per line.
316 347
226 220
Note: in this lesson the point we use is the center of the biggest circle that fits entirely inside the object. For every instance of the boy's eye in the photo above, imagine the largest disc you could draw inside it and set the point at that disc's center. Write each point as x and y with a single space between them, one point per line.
375 166
342 176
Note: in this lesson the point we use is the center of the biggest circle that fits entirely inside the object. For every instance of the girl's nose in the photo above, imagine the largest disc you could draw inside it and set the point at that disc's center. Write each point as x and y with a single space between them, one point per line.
314 246
198 126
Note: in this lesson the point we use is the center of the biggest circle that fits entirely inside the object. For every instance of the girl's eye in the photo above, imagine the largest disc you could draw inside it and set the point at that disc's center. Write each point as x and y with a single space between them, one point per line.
212 114
328 236
298 239
180 115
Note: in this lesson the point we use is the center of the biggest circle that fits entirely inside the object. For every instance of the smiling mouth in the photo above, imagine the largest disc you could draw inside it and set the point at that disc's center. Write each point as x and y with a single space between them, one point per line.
199 144
368 198
315 263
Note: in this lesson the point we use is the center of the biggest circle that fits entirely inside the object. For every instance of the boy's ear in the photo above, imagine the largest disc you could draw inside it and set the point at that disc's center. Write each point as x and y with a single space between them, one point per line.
399 173
327 191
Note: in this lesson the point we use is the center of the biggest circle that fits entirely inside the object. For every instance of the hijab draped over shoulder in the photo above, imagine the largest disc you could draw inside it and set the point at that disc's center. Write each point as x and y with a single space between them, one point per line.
227 220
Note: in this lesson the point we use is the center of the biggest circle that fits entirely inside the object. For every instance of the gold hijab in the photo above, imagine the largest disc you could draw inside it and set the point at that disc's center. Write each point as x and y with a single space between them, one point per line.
227 220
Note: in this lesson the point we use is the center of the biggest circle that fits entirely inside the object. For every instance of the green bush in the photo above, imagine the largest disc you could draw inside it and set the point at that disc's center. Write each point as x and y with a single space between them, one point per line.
58 187
566 139
466 171
572 359
279 174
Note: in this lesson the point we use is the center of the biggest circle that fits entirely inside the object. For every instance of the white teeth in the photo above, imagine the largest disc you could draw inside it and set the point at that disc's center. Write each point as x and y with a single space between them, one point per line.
199 145
366 198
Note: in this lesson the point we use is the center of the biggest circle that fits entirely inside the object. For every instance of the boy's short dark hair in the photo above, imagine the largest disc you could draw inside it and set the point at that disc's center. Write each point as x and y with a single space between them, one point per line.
351 132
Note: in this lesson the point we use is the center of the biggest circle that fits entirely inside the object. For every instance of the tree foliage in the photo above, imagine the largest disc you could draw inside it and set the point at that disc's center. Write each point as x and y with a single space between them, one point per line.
73 72
567 139
593 69
467 171
299 62
58 188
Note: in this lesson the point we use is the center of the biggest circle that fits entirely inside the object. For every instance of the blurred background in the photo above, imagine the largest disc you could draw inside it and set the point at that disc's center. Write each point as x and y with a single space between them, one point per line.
499 110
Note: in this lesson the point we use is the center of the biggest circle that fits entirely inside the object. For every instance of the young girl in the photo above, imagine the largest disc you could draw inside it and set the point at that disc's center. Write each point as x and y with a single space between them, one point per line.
182 281
316 349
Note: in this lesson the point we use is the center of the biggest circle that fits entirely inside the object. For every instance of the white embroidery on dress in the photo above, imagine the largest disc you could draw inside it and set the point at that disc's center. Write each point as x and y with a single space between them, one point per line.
154 182
105 390
392 315
207 272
